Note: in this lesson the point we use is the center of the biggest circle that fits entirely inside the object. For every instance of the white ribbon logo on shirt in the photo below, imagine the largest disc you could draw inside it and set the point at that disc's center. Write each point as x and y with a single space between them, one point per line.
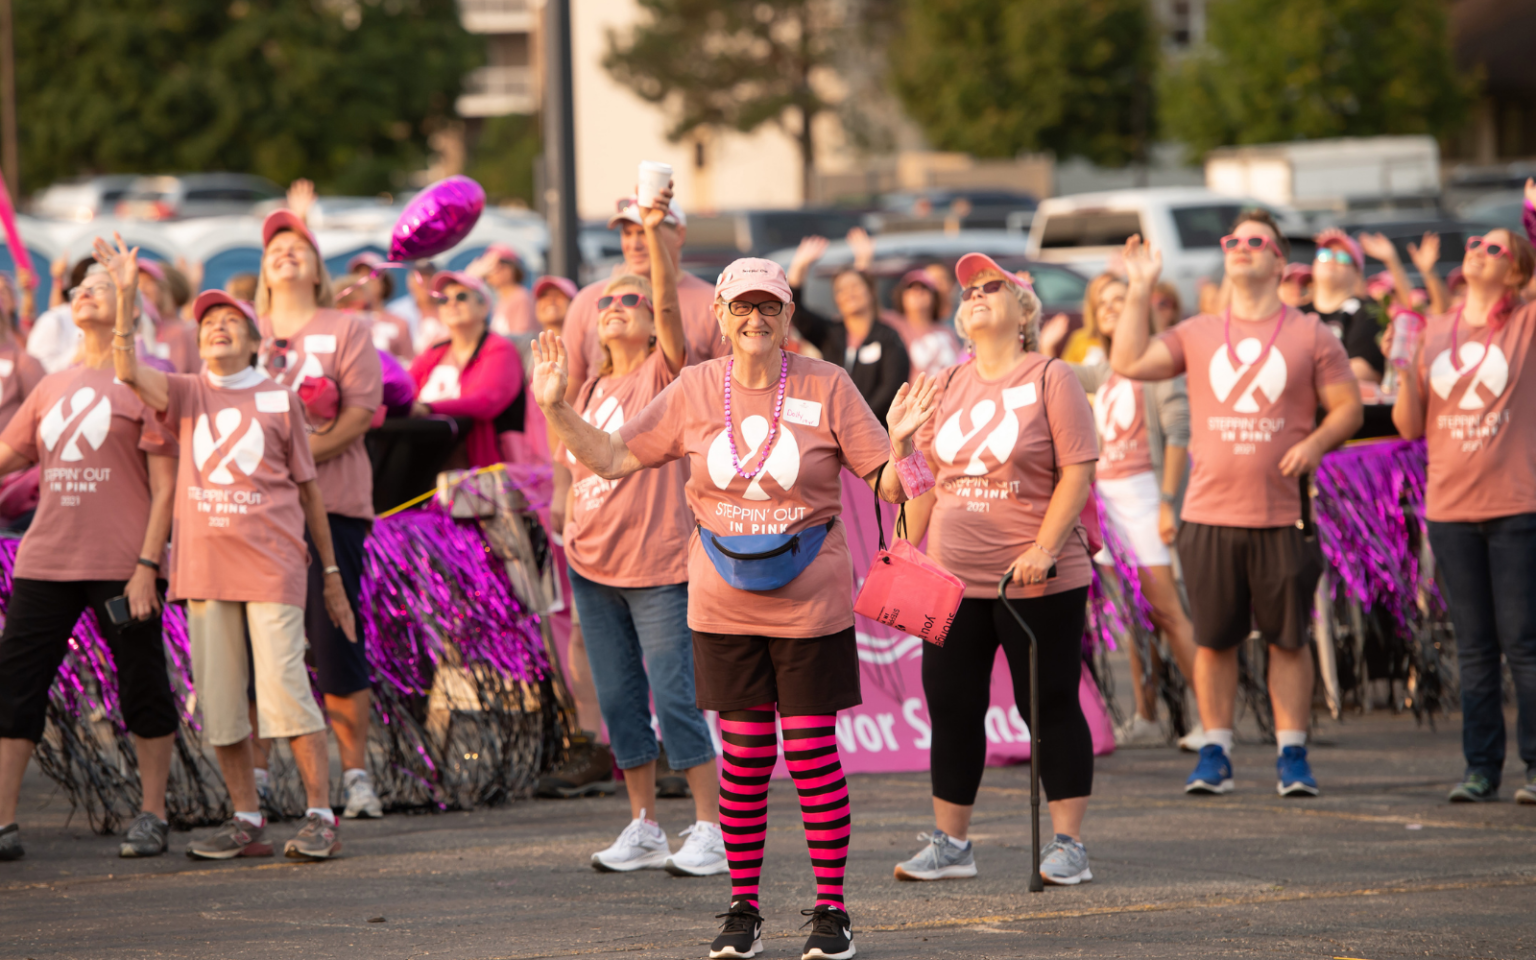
1271 377
608 417
783 462
1115 409
245 453
952 437
93 427
1492 374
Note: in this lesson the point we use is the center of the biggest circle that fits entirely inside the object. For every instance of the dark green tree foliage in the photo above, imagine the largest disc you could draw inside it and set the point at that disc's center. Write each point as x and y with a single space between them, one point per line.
1294 69
502 157
734 64
998 77
344 92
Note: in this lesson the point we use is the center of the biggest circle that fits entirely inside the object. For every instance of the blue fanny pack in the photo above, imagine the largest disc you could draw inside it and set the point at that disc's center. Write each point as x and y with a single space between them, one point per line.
763 561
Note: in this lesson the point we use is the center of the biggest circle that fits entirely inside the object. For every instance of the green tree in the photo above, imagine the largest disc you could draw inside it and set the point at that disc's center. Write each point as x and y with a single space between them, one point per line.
1273 71
998 77
734 64
344 92
502 157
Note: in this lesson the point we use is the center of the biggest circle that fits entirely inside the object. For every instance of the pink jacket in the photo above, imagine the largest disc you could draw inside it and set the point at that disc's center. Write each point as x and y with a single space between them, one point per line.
488 385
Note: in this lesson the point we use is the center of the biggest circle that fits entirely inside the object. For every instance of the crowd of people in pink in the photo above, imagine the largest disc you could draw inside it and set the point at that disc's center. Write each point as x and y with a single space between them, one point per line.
701 440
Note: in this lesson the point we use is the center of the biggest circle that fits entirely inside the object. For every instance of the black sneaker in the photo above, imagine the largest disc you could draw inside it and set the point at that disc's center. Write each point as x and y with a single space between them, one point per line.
741 935
670 784
10 843
831 934
588 769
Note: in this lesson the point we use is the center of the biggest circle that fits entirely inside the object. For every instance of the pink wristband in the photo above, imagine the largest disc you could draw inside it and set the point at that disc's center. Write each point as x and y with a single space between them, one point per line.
916 478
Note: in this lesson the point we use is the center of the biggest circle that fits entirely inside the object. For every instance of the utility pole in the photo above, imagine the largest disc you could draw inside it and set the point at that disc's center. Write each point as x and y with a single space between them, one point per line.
564 257
9 155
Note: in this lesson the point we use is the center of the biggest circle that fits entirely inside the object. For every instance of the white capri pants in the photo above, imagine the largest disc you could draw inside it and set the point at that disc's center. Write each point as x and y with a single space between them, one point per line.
1131 504
285 706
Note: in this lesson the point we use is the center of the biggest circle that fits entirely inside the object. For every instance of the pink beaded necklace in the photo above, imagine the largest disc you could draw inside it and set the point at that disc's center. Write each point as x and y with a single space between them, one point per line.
773 431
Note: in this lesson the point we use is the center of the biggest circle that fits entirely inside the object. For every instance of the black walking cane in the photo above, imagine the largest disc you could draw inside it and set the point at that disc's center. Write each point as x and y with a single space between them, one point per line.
1036 882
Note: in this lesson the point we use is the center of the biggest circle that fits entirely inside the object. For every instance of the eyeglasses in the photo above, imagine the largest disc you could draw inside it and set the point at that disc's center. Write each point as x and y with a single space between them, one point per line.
624 299
461 297
990 287
96 291
1333 255
1491 249
744 308
1253 242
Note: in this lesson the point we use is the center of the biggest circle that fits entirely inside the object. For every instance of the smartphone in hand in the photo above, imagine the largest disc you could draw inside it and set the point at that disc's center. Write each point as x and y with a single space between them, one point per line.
118 612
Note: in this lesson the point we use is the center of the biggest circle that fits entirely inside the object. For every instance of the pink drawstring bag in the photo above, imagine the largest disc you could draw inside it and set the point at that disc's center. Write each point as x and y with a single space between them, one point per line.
909 592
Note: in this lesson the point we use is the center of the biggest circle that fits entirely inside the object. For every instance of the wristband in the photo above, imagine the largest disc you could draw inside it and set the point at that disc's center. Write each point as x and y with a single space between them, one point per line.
332 569
1166 497
916 479
146 562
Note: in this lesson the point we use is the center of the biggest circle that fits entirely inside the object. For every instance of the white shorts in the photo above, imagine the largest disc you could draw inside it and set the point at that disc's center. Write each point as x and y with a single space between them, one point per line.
1131 504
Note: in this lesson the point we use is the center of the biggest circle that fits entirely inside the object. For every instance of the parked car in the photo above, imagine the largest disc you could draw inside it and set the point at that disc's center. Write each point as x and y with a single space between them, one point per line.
977 208
195 195
82 199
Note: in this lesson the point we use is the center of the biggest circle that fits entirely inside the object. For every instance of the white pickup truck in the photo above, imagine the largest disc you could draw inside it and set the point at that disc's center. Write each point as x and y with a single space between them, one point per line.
1085 230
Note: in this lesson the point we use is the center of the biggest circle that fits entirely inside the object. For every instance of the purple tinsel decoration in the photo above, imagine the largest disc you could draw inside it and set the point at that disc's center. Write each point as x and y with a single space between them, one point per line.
1110 612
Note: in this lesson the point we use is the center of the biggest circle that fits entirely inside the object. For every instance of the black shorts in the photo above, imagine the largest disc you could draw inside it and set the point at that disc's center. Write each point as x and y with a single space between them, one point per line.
805 676
1242 579
341 666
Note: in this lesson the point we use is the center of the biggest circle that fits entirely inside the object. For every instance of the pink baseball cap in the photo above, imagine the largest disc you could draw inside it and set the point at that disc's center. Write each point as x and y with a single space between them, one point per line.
974 263
753 273
365 259
1333 237
279 220
629 209
447 277
504 253
919 277
1296 271
153 269
209 299
551 282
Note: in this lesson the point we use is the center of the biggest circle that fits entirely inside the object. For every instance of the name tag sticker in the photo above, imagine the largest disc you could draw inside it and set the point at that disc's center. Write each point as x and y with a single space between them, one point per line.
272 401
869 353
320 343
7 367
1016 397
807 413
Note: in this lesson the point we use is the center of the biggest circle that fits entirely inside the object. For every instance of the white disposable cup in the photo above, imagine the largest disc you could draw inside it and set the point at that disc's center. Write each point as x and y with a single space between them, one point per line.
653 178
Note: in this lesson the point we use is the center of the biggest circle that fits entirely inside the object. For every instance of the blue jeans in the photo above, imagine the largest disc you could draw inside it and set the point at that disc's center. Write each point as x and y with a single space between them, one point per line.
639 646
1490 574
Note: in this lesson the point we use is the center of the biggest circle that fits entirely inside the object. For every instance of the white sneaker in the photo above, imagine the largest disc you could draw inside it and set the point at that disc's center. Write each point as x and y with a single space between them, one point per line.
1140 732
1192 741
642 846
361 800
703 855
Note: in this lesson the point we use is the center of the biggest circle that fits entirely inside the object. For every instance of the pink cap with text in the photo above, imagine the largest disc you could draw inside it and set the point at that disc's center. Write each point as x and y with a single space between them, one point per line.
753 273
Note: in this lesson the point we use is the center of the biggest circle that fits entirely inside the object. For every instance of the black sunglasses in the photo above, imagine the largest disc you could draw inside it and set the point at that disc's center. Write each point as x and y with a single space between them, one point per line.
990 287
461 297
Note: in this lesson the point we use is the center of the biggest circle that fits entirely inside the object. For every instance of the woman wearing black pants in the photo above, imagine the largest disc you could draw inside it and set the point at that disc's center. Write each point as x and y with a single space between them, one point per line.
1013 447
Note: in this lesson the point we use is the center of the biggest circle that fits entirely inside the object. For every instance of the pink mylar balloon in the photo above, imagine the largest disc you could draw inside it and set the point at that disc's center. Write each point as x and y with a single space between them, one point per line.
436 219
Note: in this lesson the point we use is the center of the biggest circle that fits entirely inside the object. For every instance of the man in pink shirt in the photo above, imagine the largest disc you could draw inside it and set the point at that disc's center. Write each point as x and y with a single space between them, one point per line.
1257 375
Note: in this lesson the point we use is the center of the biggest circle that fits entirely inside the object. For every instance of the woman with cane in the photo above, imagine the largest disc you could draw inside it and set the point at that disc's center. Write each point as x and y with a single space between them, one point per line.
1013 445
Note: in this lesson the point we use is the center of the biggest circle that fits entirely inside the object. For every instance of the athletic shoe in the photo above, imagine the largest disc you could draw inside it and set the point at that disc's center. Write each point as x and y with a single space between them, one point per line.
1140 732
148 836
1064 862
234 838
940 860
642 846
1192 741
831 934
741 935
588 770
318 839
10 843
1213 774
670 784
1474 788
703 855
361 800
1527 793
1295 773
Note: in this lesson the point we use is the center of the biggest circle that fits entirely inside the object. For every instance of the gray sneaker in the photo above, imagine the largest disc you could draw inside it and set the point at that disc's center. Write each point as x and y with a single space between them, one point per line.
234 838
10 843
147 836
316 840
1474 788
940 860
362 801
1064 861
1527 793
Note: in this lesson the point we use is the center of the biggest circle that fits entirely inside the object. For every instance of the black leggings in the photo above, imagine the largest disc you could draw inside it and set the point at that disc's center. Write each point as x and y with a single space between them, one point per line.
957 680
38 625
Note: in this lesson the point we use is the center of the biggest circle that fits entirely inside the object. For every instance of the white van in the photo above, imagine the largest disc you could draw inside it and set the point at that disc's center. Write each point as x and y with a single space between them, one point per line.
1085 230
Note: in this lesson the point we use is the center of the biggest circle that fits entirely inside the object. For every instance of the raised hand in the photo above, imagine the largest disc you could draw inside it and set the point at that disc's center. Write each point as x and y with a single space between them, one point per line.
810 250
862 246
1378 247
481 266
1426 253
301 198
914 404
654 216
551 371
1143 262
122 264
1052 332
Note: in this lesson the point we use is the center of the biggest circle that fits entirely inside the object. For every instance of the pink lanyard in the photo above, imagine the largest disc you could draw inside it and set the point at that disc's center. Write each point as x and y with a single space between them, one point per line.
1227 334
1456 354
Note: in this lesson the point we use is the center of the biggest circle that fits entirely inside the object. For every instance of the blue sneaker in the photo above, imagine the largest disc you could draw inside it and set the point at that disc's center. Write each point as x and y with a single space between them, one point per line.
1213 774
1295 774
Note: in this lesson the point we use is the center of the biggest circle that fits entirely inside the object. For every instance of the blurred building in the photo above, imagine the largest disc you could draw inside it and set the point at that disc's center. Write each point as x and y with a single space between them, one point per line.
508 82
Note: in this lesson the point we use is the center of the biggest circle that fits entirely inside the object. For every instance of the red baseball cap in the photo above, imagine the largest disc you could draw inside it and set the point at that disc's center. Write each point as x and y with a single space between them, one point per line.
974 263
209 299
551 282
279 220
753 273
447 277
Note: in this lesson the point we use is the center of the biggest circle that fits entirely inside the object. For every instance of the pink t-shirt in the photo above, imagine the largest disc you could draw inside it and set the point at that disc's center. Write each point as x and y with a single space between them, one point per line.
339 346
177 340
825 426
239 530
1244 416
696 298
514 313
88 434
1480 420
1120 413
933 351
631 532
20 373
995 450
